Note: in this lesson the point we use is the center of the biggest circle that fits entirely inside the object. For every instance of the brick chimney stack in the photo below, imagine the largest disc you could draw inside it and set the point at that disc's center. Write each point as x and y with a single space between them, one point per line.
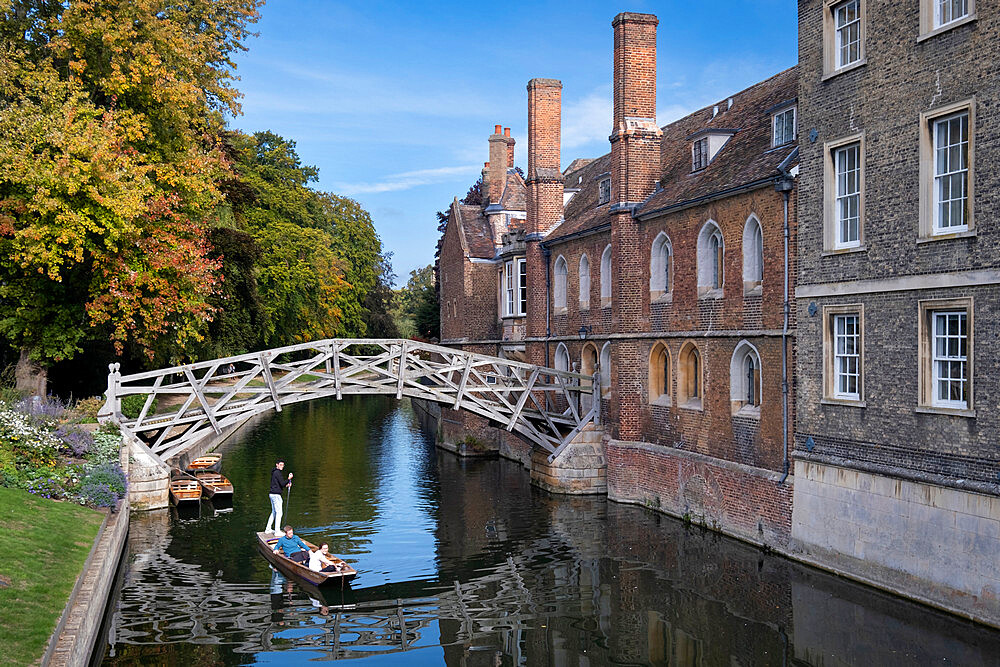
498 159
544 195
510 147
635 168
635 138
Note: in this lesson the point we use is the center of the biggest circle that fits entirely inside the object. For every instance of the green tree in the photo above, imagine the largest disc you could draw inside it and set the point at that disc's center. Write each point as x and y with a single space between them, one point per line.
416 310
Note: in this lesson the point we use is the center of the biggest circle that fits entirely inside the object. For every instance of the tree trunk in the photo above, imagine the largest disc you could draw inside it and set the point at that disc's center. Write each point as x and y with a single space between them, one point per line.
30 376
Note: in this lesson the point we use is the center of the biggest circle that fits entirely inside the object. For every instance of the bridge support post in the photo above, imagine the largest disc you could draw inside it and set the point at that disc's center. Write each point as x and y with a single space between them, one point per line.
580 469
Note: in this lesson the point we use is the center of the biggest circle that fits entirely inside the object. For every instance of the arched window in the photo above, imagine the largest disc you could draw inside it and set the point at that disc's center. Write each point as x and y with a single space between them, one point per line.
753 254
562 358
588 366
660 266
605 370
606 277
744 378
659 375
559 283
711 253
584 283
689 385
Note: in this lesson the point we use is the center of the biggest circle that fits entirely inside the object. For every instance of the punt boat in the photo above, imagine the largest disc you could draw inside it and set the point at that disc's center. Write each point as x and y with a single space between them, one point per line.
185 491
214 485
288 567
208 462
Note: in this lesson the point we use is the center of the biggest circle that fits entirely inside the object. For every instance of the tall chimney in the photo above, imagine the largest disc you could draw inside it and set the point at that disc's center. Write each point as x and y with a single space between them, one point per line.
510 147
635 168
635 138
498 172
544 196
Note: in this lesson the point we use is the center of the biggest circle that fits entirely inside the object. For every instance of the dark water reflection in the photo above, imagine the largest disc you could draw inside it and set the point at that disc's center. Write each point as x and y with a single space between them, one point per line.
464 563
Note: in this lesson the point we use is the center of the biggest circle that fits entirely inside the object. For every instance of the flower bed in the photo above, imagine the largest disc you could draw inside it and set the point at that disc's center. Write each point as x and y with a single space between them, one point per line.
46 451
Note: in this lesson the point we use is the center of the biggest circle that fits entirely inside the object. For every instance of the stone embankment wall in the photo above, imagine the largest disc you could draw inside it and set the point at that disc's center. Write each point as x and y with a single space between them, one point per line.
936 544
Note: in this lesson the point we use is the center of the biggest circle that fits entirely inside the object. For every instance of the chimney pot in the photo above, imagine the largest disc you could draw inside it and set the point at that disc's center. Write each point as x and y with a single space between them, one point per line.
486 165
506 132
497 130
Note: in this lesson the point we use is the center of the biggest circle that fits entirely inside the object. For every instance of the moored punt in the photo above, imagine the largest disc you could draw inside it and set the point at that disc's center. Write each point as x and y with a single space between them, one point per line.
207 463
214 485
185 491
288 567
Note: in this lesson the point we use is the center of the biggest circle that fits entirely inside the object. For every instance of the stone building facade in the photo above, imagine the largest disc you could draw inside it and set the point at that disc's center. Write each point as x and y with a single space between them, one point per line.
820 380
662 266
897 465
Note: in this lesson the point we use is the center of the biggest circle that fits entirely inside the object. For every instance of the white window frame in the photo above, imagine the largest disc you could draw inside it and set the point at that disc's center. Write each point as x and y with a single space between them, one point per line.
930 218
958 361
834 353
846 195
834 199
842 29
711 264
753 254
660 267
514 292
931 360
948 173
931 22
740 390
781 115
606 277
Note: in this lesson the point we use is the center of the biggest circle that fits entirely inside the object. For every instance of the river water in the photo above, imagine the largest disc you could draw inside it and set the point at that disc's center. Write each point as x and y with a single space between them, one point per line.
465 563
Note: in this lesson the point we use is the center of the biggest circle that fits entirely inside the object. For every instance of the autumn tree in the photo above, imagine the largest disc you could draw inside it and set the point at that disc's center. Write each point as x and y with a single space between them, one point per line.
109 164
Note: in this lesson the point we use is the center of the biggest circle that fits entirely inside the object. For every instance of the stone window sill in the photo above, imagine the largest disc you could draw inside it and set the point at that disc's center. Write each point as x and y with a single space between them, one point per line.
693 404
663 401
749 411
752 289
584 307
964 234
954 412
661 297
945 28
712 293
844 69
560 310
843 251
847 402
605 303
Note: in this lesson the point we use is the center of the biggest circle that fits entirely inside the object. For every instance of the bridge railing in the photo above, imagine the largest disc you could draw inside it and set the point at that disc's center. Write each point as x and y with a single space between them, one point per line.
183 404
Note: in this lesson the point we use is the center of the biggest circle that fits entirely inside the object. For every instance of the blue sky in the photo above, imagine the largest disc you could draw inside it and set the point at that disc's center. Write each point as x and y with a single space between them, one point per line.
394 101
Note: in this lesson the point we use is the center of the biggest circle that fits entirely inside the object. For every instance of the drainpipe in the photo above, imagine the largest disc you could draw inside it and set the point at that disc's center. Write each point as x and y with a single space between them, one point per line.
548 279
784 185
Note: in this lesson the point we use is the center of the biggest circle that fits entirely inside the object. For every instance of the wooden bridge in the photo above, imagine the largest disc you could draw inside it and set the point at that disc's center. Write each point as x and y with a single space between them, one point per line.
185 404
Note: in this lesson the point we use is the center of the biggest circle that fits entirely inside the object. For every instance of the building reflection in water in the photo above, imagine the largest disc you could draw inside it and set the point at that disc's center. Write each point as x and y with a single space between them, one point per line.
526 578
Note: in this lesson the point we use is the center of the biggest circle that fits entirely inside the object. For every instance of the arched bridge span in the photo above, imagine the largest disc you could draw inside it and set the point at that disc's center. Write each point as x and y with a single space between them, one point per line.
183 404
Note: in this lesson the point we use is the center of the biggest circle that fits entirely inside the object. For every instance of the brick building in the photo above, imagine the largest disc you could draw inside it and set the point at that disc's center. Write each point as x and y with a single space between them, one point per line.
663 265
897 470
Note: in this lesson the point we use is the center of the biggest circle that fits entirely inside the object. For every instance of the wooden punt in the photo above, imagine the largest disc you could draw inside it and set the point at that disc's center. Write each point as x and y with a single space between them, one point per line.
214 485
266 542
185 491
208 462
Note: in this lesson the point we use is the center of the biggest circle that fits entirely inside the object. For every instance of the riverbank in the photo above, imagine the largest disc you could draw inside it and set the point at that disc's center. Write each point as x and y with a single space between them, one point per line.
44 545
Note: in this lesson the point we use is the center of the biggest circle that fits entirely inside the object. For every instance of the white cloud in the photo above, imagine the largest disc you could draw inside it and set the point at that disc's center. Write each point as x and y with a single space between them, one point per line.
407 180
587 119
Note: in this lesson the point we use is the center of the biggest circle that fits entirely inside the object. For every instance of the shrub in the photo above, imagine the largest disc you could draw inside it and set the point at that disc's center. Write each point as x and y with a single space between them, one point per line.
87 409
46 411
106 446
74 440
132 405
104 485
29 443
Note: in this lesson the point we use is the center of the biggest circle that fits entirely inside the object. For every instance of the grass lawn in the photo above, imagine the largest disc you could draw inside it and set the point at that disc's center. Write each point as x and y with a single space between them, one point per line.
43 545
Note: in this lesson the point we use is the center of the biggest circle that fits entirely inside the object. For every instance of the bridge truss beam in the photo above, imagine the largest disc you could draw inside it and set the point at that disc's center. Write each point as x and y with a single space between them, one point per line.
184 404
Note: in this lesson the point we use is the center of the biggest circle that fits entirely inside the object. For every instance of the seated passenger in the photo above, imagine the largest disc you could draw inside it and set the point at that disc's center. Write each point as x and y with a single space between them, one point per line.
292 546
319 560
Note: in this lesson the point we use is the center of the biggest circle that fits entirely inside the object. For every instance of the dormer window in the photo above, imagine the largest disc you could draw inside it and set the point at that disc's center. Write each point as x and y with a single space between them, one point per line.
604 191
699 154
783 124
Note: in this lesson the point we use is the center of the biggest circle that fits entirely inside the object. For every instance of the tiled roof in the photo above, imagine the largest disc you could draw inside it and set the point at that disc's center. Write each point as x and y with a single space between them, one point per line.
747 156
582 211
515 193
476 228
